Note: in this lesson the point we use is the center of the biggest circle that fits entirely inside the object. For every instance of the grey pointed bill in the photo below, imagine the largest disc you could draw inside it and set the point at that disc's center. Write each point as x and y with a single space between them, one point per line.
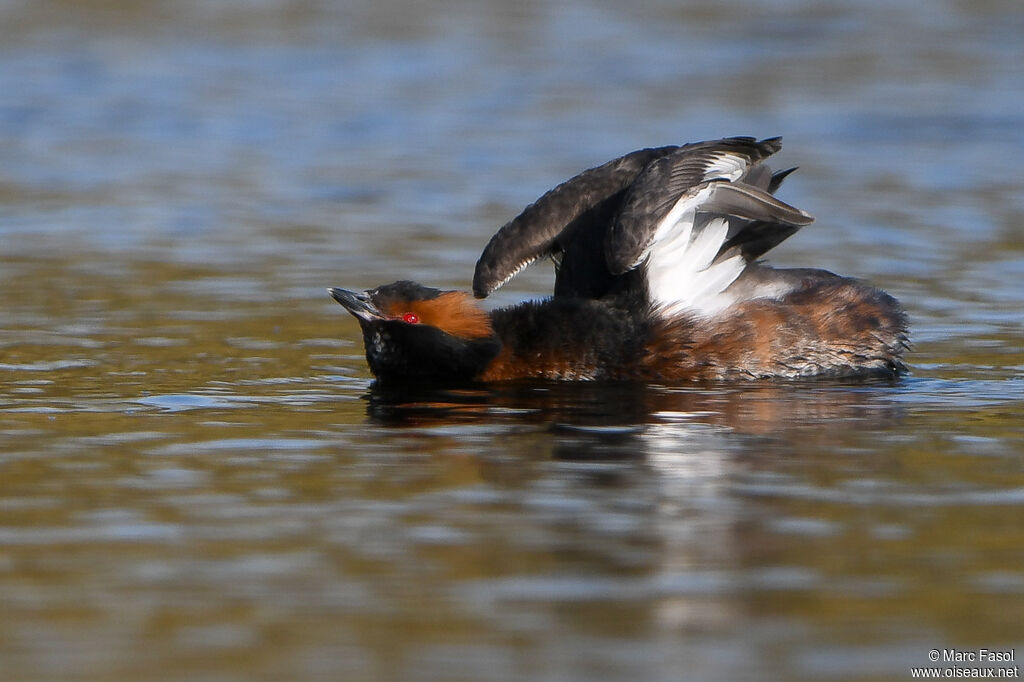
357 303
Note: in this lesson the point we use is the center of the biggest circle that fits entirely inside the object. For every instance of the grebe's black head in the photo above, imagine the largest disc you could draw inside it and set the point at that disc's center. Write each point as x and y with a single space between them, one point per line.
415 333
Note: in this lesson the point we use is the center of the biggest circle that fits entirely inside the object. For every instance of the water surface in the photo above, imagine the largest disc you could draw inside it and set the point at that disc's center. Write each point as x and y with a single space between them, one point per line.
199 480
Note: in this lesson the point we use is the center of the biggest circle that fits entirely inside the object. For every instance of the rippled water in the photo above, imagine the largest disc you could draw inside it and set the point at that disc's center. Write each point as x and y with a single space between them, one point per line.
198 479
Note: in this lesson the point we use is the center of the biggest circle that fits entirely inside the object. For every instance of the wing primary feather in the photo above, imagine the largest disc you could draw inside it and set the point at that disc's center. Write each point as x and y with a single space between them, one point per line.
533 234
751 203
778 177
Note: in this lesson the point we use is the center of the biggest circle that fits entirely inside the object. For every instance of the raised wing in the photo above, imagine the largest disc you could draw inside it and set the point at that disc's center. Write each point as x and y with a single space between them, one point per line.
696 217
534 233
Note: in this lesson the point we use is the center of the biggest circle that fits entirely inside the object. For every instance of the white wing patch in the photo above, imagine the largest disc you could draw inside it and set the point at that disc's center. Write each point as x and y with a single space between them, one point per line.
726 165
680 274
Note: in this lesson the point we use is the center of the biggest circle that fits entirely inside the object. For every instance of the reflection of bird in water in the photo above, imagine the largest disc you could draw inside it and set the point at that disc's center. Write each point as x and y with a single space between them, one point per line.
657 280
622 419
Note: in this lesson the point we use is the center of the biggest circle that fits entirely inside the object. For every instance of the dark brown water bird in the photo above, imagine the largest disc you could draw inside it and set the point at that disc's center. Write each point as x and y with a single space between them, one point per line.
658 279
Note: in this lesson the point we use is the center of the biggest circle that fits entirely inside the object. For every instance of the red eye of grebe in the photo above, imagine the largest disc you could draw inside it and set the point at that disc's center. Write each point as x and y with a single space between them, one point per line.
411 318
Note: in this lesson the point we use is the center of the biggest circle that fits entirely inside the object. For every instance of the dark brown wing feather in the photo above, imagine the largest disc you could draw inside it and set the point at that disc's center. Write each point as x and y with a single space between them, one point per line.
533 233
755 238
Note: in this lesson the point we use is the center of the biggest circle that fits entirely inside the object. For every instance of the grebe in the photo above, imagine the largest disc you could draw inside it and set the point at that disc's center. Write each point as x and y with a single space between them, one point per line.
657 280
